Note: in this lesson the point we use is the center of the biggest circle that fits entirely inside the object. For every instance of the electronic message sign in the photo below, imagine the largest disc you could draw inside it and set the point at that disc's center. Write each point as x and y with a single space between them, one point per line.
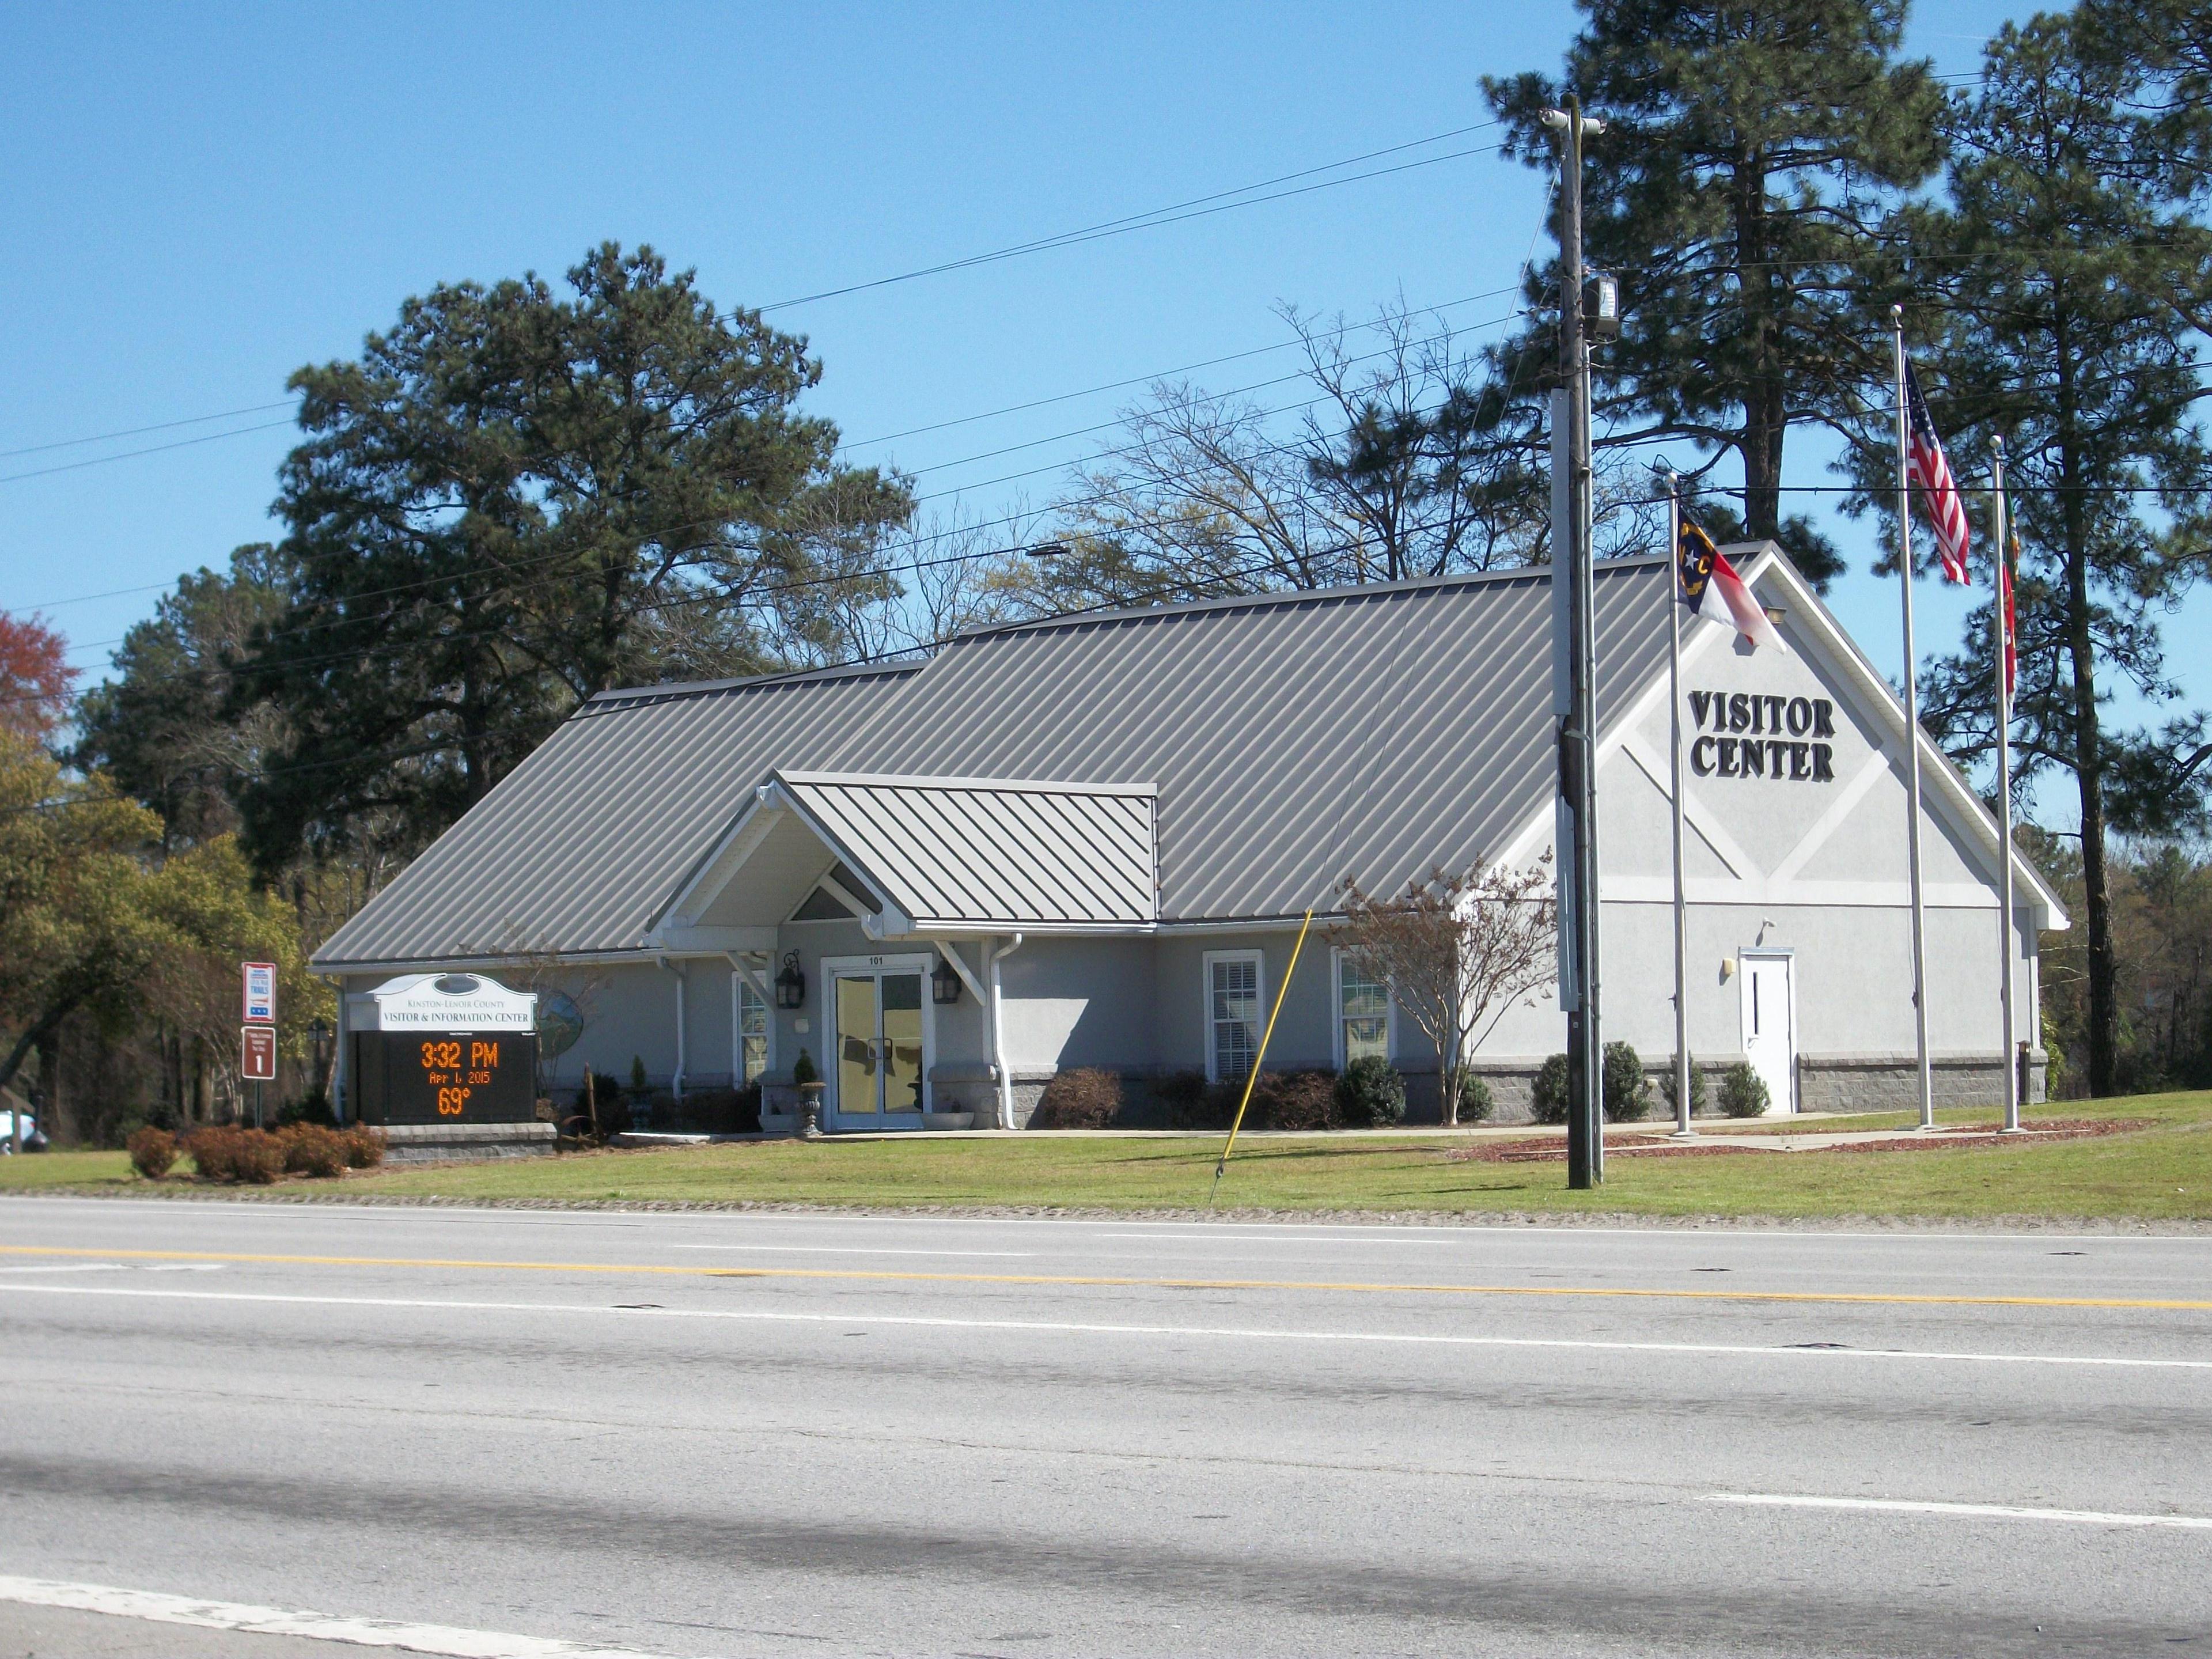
447 1077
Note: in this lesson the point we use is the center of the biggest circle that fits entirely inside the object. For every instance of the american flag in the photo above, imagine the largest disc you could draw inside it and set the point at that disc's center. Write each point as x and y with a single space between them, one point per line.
1925 465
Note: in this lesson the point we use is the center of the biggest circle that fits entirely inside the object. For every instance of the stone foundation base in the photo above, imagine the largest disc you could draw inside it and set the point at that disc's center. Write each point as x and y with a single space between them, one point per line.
1825 1083
1891 1081
465 1143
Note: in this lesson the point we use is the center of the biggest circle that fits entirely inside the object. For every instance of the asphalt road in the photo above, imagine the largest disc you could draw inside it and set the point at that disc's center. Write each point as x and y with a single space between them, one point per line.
701 1434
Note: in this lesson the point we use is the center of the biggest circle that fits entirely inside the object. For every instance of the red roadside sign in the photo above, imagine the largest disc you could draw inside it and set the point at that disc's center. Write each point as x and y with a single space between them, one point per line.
257 1054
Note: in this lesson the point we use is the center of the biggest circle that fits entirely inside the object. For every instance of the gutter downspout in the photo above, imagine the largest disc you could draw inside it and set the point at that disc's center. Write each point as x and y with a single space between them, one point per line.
681 979
999 1034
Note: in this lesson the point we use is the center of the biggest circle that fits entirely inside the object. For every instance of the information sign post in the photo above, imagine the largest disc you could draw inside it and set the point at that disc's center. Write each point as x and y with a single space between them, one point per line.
258 1040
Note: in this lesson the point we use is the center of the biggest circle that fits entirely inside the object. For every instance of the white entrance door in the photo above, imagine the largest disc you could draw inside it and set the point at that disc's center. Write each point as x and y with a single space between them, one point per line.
881 1049
1769 1026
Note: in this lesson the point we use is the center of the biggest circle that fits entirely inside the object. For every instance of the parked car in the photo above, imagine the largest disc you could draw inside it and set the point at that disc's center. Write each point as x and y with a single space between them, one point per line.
35 1138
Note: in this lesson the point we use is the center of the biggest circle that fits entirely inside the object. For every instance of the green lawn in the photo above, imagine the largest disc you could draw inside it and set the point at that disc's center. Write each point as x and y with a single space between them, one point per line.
2162 1171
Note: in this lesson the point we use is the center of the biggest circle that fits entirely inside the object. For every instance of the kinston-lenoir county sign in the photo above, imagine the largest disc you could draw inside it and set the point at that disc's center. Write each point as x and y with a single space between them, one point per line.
1745 735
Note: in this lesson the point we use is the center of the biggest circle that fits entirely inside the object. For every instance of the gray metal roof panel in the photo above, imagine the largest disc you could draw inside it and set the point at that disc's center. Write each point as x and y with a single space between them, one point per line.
998 853
579 848
1297 740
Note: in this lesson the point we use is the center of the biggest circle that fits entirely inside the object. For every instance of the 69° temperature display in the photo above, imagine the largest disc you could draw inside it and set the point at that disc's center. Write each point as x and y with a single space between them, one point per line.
447 1077
456 1075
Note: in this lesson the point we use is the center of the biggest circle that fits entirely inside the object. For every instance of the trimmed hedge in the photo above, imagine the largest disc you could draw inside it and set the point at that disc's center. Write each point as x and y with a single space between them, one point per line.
1743 1092
1370 1095
1628 1092
153 1151
1547 1095
1085 1098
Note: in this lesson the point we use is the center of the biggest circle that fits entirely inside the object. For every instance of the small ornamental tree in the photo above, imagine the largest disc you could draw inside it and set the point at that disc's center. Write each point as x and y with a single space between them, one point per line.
1457 951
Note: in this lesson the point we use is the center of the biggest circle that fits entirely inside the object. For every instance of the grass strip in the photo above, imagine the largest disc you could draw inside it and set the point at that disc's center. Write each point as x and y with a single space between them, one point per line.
2161 1170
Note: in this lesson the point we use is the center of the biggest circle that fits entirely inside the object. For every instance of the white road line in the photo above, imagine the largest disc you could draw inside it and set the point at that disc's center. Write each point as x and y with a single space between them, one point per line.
121 1268
851 1250
1239 1333
277 1621
73 1267
1970 1511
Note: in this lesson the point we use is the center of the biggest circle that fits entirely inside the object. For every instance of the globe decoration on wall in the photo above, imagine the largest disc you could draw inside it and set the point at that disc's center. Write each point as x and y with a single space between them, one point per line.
559 1023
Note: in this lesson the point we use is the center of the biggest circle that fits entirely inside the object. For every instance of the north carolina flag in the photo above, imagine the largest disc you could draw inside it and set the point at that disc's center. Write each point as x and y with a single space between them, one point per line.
1706 582
2006 618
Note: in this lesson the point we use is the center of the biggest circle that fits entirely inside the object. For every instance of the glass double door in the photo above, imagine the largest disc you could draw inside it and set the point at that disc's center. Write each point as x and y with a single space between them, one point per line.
880 1058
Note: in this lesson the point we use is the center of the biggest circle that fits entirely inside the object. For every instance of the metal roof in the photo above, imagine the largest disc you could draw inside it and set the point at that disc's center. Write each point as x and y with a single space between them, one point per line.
1294 739
579 848
971 852
1297 738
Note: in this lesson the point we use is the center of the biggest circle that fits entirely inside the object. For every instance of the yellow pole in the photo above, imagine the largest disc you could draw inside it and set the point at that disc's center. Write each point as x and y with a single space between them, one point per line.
1253 1076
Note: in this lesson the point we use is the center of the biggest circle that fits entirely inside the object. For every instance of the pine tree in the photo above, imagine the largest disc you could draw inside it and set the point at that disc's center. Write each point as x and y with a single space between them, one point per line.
1742 193
2058 286
517 498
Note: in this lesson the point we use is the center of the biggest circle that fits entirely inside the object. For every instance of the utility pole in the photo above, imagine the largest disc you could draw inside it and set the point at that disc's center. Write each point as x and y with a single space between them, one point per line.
1572 558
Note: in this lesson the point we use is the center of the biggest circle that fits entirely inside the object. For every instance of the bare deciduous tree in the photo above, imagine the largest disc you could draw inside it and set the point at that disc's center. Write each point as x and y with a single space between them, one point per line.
1457 951
1410 459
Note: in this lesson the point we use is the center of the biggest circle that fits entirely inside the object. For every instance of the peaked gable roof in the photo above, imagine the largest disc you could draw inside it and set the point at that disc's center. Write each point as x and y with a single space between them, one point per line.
1294 739
971 852
577 850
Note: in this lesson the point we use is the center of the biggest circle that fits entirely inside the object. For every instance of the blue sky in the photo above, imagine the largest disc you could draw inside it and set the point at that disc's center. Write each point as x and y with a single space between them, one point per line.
203 199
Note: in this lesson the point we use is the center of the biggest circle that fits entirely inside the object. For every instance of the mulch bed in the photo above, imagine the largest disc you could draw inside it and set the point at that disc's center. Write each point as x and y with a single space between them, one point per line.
1555 1151
2064 1128
1549 1150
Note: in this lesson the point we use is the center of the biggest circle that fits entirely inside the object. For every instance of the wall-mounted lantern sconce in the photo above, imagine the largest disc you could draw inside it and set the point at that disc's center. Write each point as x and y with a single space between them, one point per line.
944 984
791 984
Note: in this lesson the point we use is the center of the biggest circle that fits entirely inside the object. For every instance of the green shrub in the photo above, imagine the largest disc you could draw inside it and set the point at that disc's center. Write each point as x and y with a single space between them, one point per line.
152 1152
1547 1095
637 1083
1187 1097
364 1146
1084 1098
1370 1095
802 1070
1700 1102
1475 1102
1743 1092
232 1156
312 1150
1628 1092
1290 1100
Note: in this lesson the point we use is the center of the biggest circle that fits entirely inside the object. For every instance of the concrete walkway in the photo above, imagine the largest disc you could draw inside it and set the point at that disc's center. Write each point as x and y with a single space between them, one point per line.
1705 1132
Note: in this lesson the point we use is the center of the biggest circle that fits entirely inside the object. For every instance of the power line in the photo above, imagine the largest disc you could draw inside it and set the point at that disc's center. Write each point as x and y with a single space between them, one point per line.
138 431
1146 380
132 455
667 530
1174 214
1144 220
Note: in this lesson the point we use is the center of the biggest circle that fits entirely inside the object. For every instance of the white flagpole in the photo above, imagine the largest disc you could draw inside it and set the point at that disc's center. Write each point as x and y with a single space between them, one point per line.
2002 634
1675 752
1912 732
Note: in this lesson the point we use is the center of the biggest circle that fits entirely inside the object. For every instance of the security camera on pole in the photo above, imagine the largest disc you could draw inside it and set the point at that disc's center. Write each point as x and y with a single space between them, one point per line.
1574 645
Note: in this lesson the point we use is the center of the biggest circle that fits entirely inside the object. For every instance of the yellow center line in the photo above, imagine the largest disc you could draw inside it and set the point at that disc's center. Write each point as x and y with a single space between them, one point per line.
894 1275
